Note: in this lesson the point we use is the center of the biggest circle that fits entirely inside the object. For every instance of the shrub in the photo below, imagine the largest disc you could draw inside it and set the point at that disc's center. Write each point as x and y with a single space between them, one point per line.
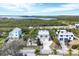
37 51
55 51
75 46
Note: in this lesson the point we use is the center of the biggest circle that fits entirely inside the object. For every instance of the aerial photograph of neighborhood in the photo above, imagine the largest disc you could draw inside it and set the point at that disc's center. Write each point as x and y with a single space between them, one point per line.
39 29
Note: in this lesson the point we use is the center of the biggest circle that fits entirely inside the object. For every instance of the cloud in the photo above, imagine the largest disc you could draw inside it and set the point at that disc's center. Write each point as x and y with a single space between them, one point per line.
66 7
33 8
15 2
17 7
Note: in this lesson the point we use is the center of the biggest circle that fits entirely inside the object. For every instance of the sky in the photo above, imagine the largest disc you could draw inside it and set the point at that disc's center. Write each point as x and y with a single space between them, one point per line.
45 9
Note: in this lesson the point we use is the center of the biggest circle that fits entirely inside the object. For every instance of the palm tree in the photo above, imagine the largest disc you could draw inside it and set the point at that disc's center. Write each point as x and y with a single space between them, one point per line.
55 51
70 52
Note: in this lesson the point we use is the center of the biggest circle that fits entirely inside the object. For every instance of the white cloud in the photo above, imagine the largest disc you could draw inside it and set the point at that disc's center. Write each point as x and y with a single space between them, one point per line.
17 7
66 7
32 8
23 5
27 7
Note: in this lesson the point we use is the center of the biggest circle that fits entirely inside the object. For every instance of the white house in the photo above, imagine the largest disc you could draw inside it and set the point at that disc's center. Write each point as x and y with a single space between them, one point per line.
64 35
44 37
76 25
15 33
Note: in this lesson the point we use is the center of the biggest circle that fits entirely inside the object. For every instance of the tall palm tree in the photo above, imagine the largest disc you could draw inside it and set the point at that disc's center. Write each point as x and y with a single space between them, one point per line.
55 51
70 52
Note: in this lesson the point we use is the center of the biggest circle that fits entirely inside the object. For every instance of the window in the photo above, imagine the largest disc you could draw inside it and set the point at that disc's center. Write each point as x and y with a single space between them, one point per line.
16 32
61 31
61 39
71 35
66 38
41 36
45 35
61 35
66 35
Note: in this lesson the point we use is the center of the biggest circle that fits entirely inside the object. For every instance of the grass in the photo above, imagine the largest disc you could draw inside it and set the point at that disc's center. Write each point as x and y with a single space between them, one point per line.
71 55
1 41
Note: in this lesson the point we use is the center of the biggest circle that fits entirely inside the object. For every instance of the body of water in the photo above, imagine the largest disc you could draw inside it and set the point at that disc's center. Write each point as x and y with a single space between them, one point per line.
28 17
